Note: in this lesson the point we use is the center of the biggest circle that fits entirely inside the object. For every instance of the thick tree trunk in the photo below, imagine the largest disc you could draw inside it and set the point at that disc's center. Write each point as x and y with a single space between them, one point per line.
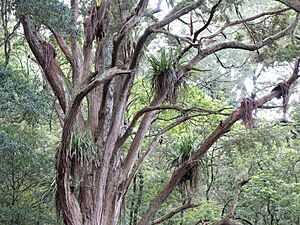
91 191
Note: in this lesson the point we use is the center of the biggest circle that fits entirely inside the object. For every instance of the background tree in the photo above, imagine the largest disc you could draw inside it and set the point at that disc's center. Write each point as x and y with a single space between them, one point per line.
26 164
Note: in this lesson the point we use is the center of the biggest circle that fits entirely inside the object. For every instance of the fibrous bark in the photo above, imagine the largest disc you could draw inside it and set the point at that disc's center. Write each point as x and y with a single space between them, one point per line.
92 191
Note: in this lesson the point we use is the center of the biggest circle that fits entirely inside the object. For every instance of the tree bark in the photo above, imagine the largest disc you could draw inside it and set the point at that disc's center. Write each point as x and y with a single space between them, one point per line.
92 183
294 4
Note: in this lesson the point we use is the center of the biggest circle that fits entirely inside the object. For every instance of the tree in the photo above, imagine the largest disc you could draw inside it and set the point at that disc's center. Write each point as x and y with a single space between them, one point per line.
26 174
26 166
94 171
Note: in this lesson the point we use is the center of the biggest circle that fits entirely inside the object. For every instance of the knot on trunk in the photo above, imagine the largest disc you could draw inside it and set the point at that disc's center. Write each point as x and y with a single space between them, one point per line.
247 107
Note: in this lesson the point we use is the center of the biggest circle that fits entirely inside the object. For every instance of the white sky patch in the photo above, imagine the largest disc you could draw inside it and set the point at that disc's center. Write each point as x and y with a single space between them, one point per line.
249 85
164 9
259 69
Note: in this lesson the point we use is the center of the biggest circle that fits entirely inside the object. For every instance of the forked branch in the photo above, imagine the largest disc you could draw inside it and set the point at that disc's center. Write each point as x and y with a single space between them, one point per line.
45 55
236 115
203 53
131 23
249 19
141 112
174 14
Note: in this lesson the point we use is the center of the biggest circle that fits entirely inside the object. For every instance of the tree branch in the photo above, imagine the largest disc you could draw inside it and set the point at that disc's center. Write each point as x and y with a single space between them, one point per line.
237 22
131 23
62 45
156 203
45 55
174 212
108 75
211 15
237 197
203 53
141 112
93 24
76 52
174 14
153 145
65 198
294 4
186 39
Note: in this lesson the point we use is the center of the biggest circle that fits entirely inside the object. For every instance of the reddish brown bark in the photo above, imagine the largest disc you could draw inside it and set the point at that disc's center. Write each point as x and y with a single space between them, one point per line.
294 4
210 140
102 179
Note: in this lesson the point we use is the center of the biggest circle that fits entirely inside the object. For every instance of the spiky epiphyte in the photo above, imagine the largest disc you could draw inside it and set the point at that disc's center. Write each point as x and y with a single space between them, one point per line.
164 77
183 153
84 148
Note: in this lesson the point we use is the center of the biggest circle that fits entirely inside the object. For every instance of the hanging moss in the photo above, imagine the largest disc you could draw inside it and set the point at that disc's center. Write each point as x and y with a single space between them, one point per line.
283 88
248 105
51 13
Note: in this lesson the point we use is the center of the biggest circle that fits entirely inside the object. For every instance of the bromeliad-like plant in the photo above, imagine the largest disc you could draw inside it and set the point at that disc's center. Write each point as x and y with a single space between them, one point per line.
84 148
180 154
164 77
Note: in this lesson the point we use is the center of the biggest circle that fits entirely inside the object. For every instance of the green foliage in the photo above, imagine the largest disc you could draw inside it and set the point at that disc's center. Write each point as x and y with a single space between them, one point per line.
84 146
207 211
271 164
162 62
26 165
26 175
22 98
181 151
267 154
52 13
284 49
164 77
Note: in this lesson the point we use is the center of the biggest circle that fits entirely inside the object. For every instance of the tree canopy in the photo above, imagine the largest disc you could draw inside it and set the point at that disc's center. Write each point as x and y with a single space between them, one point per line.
149 112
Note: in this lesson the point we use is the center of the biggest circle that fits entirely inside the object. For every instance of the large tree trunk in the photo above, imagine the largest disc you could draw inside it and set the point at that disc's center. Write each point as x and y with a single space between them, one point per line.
92 183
